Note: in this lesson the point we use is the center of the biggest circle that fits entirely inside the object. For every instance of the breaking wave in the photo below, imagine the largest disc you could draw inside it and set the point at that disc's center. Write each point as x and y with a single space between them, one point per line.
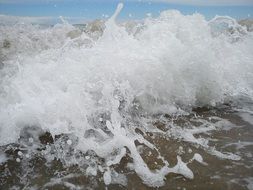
96 92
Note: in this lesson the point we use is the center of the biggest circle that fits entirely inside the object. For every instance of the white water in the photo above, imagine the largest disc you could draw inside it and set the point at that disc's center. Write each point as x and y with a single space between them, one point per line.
99 90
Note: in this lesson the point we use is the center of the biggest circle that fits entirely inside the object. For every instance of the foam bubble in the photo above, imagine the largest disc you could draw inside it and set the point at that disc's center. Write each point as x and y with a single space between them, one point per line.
18 160
107 177
69 142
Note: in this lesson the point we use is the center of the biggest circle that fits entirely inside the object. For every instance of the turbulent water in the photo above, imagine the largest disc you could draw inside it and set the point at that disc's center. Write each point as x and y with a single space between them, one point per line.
164 102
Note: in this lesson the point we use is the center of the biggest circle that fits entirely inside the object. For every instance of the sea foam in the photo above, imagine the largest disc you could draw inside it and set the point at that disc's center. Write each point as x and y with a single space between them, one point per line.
98 89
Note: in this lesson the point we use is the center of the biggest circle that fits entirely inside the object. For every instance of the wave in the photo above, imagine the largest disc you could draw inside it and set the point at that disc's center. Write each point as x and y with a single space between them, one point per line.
100 83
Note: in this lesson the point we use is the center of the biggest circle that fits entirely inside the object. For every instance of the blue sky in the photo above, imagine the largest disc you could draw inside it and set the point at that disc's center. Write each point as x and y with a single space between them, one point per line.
135 9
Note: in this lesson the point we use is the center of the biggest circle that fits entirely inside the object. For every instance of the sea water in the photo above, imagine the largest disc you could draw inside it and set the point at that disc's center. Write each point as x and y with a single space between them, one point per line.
164 102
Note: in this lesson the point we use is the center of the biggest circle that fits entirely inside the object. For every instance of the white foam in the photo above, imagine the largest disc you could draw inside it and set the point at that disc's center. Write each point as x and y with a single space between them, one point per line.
95 90
198 157
250 183
181 168
107 177
18 160
69 142
3 157
91 171
20 153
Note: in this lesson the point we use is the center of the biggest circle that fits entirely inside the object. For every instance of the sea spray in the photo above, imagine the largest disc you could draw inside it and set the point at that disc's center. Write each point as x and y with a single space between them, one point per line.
97 98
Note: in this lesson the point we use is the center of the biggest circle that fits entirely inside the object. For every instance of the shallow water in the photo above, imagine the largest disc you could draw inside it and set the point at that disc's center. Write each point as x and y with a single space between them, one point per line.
234 135
165 102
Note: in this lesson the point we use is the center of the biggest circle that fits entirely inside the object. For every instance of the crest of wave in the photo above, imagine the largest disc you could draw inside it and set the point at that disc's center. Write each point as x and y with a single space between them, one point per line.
65 81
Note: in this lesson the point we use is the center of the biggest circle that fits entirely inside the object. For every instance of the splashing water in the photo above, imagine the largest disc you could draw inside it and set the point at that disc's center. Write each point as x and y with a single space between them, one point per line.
94 98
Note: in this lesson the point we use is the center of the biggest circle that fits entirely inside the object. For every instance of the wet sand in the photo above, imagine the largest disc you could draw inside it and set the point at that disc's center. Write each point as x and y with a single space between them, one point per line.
214 174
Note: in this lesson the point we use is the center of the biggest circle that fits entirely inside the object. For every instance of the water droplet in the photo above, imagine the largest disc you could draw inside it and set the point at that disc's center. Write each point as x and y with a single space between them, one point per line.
20 153
30 140
87 157
69 142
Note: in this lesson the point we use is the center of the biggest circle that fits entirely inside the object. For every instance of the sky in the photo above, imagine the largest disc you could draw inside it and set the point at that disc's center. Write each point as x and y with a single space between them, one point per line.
133 9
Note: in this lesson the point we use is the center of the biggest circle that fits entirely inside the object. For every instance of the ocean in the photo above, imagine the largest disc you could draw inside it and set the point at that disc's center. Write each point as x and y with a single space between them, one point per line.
164 103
